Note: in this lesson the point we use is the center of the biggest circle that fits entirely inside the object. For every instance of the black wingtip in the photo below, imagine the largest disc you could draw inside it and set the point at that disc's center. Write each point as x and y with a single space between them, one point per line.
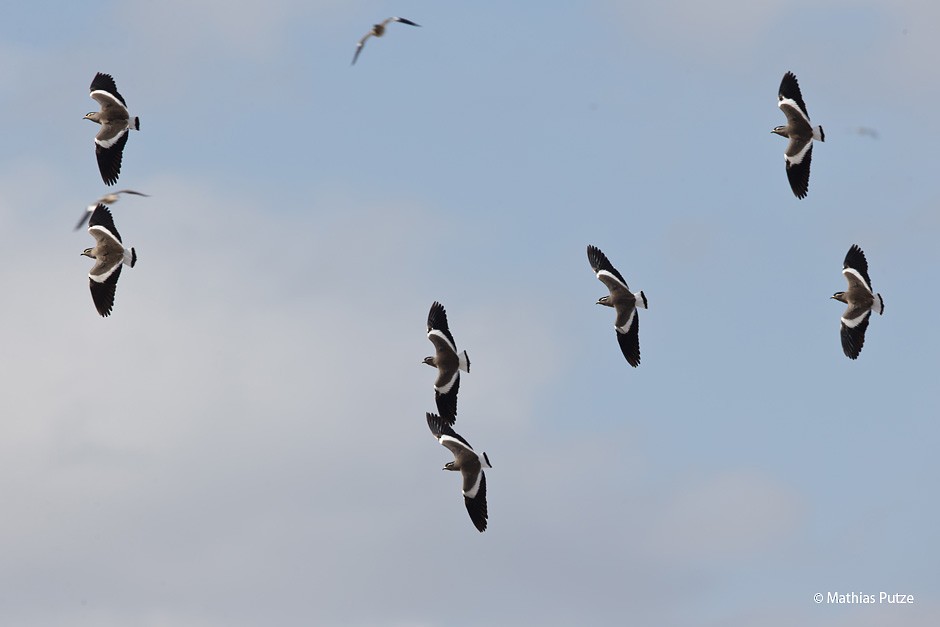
596 258
435 424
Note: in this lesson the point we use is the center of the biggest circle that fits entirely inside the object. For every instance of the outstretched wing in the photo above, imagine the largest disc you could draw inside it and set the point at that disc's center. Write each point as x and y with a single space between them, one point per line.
629 340
446 399
798 157
789 92
476 506
853 331
103 286
855 261
109 150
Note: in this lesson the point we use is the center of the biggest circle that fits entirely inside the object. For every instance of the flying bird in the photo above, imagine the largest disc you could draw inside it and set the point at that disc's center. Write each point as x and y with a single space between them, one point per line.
378 30
448 362
799 131
860 299
623 301
107 199
109 254
115 123
470 464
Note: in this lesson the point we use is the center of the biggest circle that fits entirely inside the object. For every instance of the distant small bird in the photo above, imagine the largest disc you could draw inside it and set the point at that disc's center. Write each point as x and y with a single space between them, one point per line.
378 30
799 131
107 199
470 464
623 301
860 299
109 254
115 123
448 362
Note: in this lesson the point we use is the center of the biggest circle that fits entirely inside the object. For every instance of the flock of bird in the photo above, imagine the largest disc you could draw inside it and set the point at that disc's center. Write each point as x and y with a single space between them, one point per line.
110 255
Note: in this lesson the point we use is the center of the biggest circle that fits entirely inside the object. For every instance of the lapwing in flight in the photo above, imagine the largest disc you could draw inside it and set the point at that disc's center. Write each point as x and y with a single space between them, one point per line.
799 131
861 301
448 362
109 255
470 464
115 123
623 301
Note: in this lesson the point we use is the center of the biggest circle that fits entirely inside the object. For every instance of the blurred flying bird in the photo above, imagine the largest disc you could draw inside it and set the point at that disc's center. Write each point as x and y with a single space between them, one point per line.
107 199
377 31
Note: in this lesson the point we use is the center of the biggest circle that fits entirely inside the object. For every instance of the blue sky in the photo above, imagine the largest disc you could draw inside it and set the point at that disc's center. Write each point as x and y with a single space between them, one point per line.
243 441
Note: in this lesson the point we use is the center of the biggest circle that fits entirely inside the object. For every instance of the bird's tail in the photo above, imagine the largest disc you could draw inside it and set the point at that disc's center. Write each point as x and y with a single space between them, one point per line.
463 361
130 257
485 461
640 299
136 123
878 305
819 134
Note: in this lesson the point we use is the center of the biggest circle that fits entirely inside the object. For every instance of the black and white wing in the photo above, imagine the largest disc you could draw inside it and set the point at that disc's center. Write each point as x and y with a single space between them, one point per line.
476 504
445 396
101 224
628 336
109 151
798 157
438 329
855 267
790 99
605 271
103 283
854 323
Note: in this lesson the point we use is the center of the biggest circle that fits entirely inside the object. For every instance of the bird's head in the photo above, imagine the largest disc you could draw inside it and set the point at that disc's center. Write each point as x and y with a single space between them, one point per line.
429 361
89 252
449 466
604 300
840 296
780 130
93 116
